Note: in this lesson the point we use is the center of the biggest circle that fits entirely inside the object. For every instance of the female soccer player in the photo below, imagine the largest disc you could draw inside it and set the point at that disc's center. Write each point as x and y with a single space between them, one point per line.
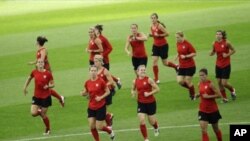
160 46
41 99
95 45
96 89
223 48
136 42
186 52
145 88
42 53
107 48
208 109
106 76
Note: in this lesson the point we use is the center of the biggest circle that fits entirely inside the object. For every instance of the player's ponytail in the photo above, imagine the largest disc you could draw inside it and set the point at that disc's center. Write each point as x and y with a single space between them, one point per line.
41 40
99 28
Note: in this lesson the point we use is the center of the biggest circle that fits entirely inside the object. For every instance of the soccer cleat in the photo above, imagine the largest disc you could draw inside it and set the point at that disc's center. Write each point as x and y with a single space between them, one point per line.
119 83
224 100
62 101
192 97
146 140
233 95
156 132
47 132
112 135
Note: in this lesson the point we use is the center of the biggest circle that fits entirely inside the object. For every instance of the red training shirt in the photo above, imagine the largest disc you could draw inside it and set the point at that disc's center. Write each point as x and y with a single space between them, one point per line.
220 48
142 85
95 88
41 79
158 41
107 48
185 48
46 61
207 105
138 47
92 46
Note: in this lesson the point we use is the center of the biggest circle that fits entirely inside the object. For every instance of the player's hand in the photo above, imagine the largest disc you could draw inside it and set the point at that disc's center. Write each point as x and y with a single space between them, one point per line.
25 91
225 55
132 94
129 54
205 96
45 87
98 98
146 94
183 56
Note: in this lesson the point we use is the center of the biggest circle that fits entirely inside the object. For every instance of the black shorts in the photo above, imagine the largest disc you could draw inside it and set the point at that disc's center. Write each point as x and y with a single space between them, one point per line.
109 97
187 71
42 102
139 61
223 73
147 108
106 65
210 117
161 51
99 114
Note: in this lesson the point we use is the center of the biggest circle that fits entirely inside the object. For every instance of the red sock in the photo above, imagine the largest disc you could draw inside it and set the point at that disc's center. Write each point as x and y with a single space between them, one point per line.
155 125
219 135
185 85
46 122
231 89
191 90
172 65
108 119
55 94
223 93
156 71
95 134
106 129
144 131
205 137
114 78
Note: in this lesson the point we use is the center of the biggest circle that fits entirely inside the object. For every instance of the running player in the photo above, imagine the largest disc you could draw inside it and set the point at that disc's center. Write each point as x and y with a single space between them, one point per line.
208 109
187 68
95 45
107 48
96 89
224 49
145 88
160 46
136 42
106 76
42 53
41 99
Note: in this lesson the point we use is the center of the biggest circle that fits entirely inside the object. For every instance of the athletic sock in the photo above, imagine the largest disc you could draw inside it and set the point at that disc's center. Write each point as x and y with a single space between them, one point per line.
46 122
205 137
95 134
172 65
108 119
191 90
55 94
114 78
223 93
231 89
155 125
144 131
219 135
106 129
156 71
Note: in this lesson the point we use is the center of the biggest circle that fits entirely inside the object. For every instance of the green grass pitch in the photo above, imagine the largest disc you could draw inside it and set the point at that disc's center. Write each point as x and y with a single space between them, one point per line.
66 24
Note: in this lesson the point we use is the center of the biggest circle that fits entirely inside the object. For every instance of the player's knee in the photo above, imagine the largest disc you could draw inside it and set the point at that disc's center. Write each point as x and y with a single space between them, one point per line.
181 82
34 114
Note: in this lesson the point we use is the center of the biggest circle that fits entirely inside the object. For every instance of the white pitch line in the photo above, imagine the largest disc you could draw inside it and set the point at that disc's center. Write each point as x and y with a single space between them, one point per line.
122 130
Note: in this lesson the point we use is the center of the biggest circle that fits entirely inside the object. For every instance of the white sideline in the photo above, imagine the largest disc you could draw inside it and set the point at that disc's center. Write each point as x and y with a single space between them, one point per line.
122 130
